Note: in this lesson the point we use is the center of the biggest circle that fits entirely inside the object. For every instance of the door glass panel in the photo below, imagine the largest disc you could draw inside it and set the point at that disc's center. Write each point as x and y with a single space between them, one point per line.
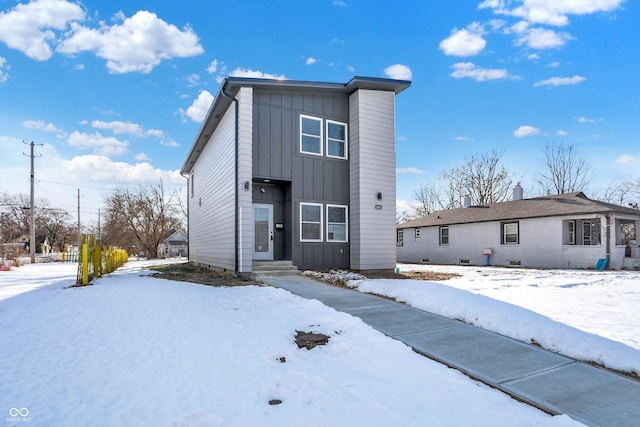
261 224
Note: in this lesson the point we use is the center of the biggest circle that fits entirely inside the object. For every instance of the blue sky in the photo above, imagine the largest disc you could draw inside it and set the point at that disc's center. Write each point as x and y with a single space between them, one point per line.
115 91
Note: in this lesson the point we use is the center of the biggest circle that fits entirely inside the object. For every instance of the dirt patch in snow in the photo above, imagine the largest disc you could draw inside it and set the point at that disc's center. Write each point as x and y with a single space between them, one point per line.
188 272
310 340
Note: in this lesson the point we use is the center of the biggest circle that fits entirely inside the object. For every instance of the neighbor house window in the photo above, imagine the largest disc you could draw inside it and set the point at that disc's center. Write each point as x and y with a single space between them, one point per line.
400 238
417 233
310 222
510 234
337 230
310 135
444 236
571 232
625 232
192 188
336 139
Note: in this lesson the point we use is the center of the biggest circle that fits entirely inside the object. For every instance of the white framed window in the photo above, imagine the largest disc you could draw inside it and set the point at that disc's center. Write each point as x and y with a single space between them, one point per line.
310 135
571 230
192 185
336 139
417 233
400 238
310 222
444 236
337 223
510 233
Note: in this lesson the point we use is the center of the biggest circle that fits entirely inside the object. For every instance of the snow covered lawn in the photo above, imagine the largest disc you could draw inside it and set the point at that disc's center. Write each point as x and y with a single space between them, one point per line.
589 315
132 350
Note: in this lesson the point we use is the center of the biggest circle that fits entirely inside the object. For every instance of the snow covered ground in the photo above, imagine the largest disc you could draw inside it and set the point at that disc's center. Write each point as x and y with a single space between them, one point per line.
589 315
131 350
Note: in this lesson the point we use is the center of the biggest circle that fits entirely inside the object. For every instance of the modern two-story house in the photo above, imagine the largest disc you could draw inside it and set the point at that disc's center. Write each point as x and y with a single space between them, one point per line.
295 170
560 231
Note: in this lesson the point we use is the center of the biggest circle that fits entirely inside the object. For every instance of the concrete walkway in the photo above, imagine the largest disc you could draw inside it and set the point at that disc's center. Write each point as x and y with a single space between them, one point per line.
553 383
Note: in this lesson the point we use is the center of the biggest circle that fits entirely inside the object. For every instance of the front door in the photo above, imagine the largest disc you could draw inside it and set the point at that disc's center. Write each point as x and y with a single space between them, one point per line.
263 231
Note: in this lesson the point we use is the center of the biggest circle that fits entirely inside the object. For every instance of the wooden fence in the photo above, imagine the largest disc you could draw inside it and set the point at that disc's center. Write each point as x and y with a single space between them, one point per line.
95 260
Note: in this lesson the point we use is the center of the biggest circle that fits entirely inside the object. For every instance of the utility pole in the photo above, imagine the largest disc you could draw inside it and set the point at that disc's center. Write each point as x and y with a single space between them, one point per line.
32 210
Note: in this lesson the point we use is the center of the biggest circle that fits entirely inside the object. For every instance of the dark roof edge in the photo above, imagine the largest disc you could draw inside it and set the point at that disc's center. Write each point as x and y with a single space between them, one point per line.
221 102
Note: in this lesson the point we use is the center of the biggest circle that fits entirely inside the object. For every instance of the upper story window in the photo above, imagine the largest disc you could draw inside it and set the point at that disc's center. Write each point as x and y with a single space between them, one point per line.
510 233
400 238
444 236
310 222
310 135
316 134
192 185
336 139
337 223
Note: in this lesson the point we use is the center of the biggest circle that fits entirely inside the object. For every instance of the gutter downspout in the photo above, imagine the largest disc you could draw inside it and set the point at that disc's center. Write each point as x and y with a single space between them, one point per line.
237 201
608 240
188 221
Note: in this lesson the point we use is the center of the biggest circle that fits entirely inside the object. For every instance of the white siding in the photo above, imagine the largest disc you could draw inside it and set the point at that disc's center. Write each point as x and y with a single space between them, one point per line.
245 146
211 208
541 245
372 171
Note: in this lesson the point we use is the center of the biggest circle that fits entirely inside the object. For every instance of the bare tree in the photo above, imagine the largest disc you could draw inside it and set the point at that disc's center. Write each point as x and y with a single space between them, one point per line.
427 200
566 170
143 216
57 225
482 177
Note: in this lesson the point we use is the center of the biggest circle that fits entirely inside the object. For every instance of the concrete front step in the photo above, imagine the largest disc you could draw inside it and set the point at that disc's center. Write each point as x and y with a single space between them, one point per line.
273 268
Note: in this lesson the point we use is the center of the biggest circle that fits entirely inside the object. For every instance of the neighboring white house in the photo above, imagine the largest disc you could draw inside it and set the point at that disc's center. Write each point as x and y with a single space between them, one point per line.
298 171
562 231
174 245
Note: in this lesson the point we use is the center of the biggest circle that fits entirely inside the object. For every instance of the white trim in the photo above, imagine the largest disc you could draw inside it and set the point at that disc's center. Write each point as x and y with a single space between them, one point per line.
346 223
320 142
345 141
312 222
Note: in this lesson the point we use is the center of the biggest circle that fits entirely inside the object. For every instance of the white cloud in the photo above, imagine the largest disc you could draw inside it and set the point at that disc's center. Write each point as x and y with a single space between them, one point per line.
586 120
213 67
398 71
193 80
526 130
541 38
79 67
141 157
412 170
119 127
560 81
310 60
199 108
554 64
137 44
463 138
102 168
562 132
533 56
28 26
243 72
469 70
465 42
4 76
339 3
626 159
40 125
100 145
551 12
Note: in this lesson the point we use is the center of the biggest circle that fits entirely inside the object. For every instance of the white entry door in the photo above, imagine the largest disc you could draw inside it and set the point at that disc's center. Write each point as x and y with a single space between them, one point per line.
263 231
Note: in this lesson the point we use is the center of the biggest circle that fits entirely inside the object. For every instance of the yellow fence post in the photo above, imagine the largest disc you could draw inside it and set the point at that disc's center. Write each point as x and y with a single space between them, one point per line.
85 264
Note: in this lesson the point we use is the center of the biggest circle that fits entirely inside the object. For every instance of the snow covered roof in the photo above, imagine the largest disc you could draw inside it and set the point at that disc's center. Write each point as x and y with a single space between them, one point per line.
556 205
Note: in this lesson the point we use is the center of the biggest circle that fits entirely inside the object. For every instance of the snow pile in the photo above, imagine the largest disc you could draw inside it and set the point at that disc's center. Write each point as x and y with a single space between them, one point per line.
132 350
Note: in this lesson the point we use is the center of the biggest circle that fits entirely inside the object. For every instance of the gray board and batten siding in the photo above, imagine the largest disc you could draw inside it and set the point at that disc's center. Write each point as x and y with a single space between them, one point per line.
300 177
